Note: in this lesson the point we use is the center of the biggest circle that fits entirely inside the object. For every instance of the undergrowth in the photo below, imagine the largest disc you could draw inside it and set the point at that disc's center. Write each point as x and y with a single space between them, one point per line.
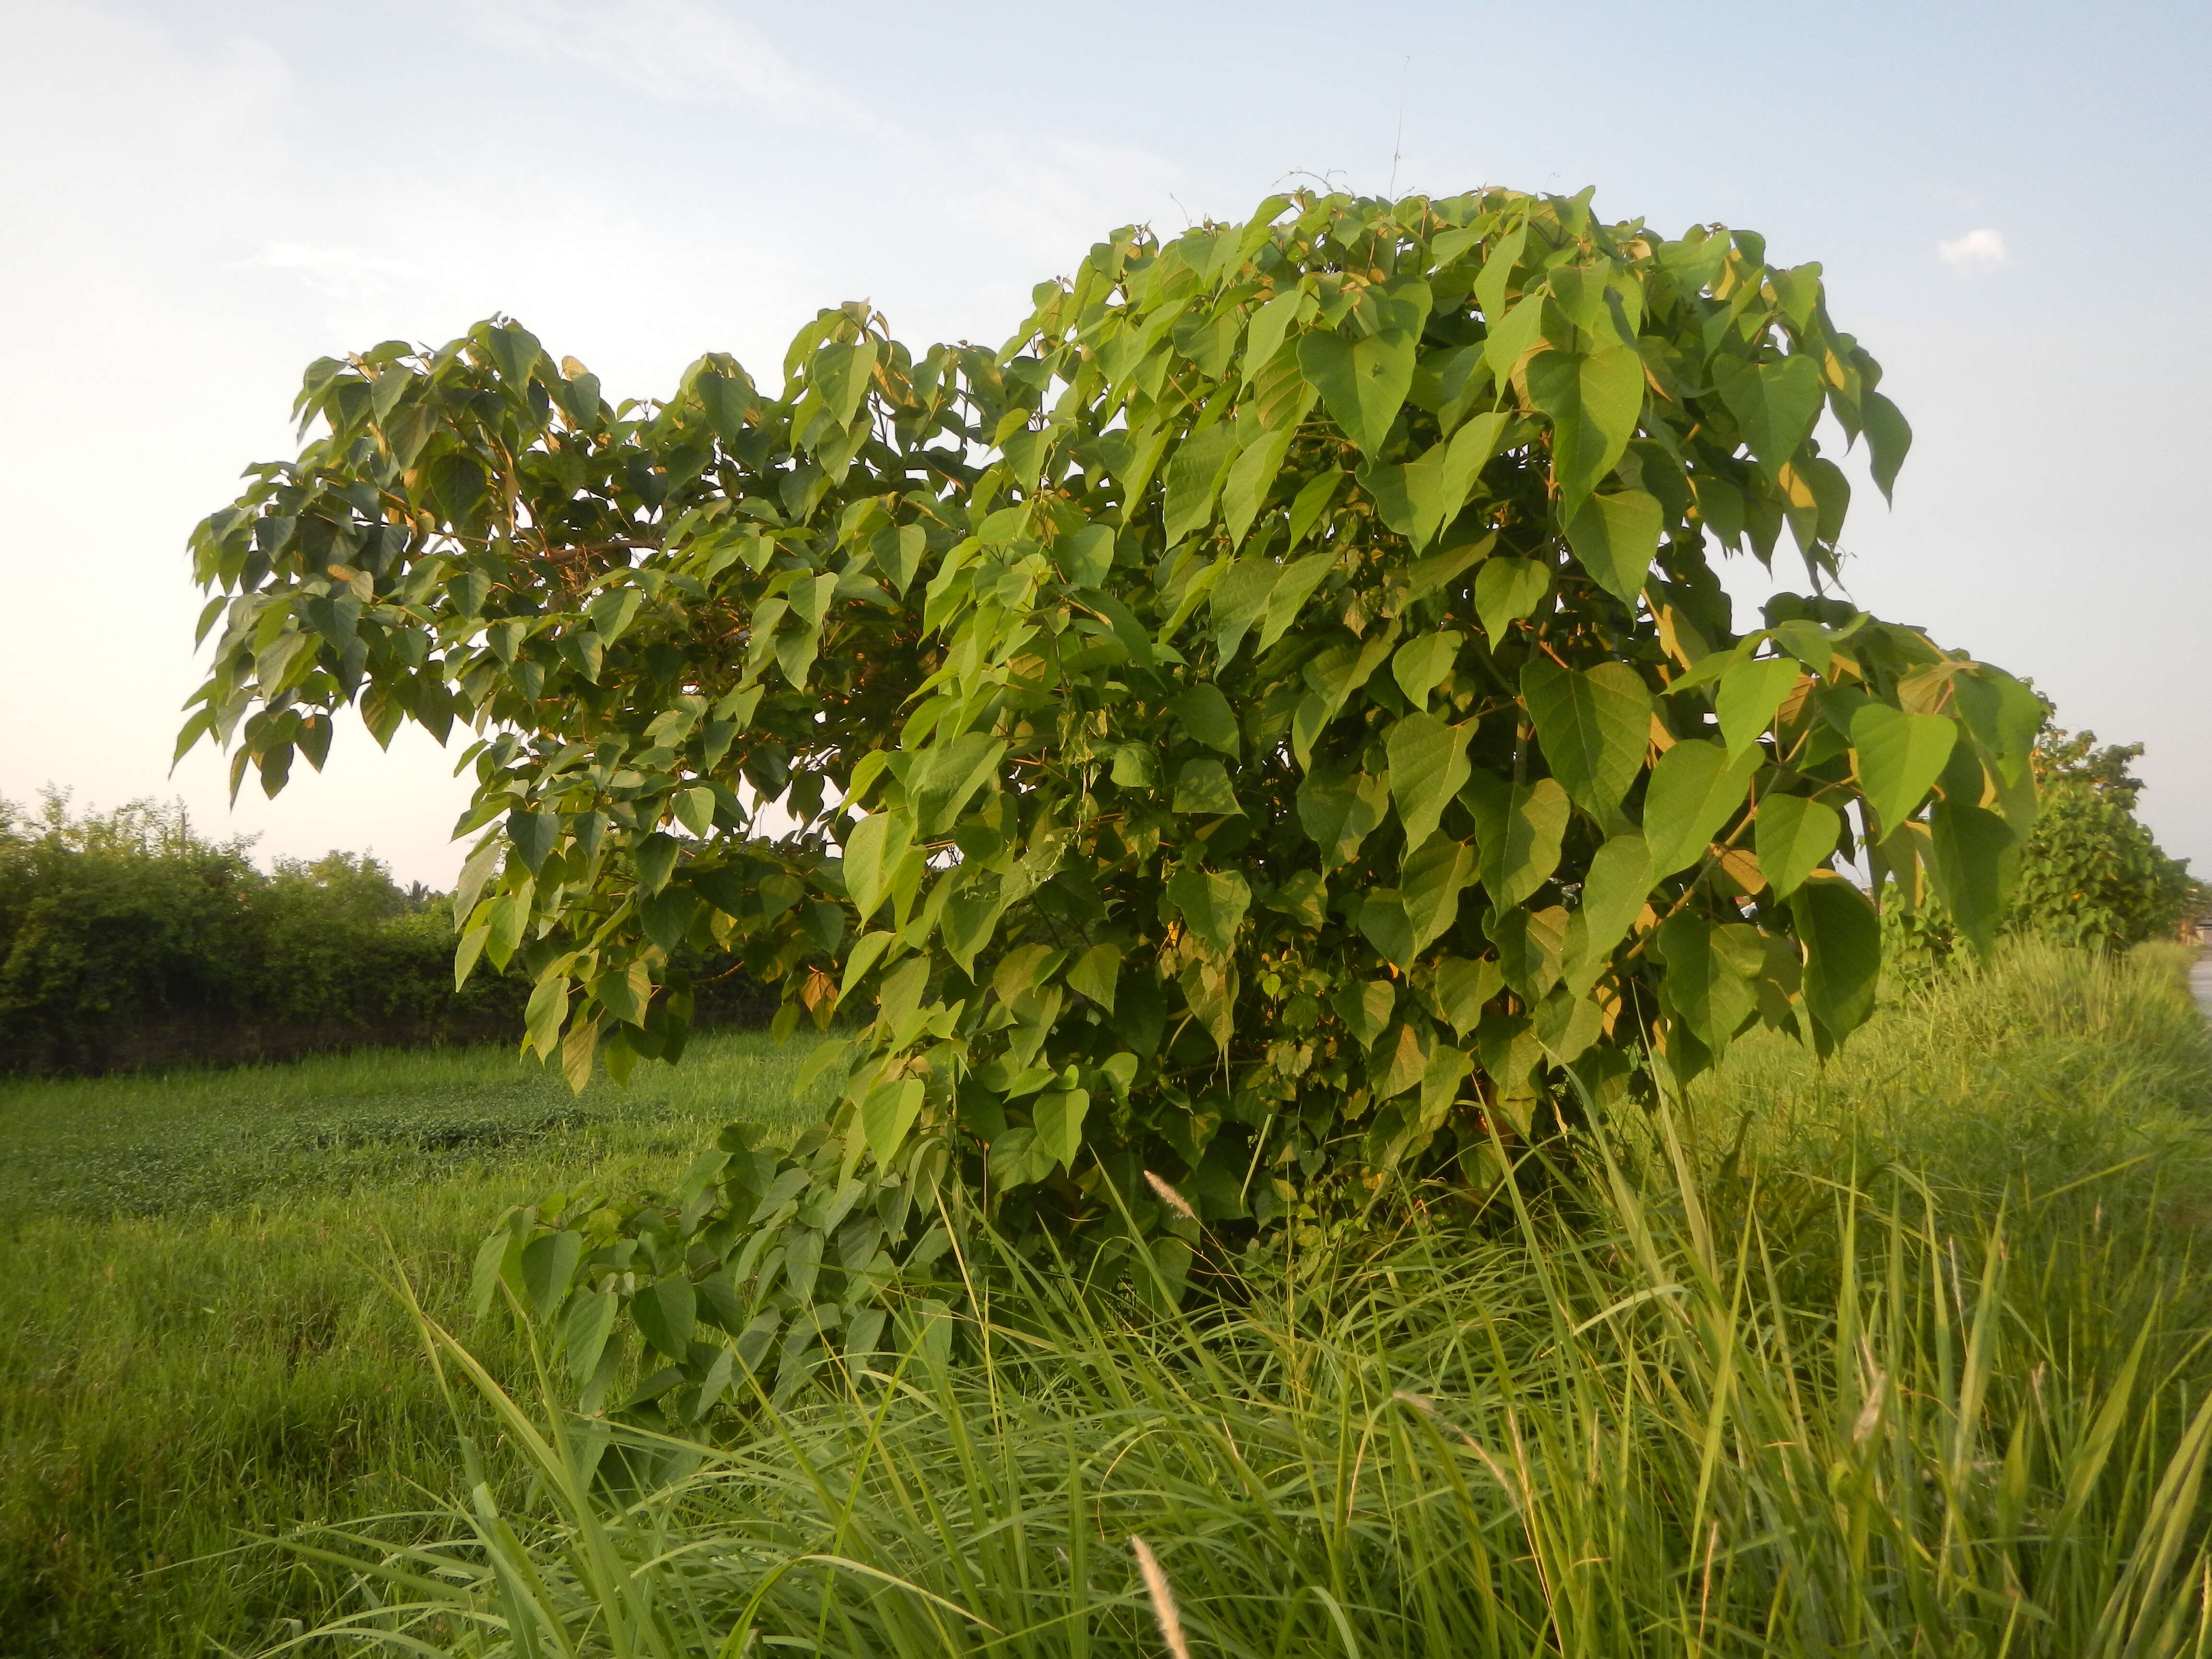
1908 1356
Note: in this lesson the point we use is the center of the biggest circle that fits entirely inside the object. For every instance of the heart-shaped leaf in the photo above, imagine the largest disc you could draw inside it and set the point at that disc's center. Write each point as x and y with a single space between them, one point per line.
1900 757
1793 835
1695 789
1775 404
1362 384
1594 727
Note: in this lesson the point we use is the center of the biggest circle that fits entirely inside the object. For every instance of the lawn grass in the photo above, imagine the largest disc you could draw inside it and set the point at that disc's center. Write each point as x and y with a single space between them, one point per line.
199 1345
1647 1431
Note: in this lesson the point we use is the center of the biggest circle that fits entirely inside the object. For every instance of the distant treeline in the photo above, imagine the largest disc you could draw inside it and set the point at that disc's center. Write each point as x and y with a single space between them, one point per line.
127 940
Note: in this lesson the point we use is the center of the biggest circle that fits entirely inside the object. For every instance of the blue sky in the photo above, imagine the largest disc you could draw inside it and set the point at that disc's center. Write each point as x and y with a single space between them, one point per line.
2010 204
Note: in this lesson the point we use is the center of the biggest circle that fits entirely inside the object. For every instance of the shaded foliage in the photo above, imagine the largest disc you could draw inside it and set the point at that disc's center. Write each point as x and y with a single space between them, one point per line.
129 938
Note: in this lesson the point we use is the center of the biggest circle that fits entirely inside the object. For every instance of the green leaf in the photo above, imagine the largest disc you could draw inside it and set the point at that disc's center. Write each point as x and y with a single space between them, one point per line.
655 858
1431 881
1251 475
888 1114
1212 906
897 551
1096 974
586 1324
581 1044
1518 829
1842 936
1793 834
1566 1024
1463 987
1505 591
865 954
1615 889
1337 806
1238 601
1291 591
1775 404
1531 945
1616 536
1509 1054
1087 556
949 773
1976 858
1428 765
840 375
1898 757
1426 575
1059 1117
1441 1078
1712 973
1381 915
1202 786
1017 1157
1362 385
1365 1008
695 808
1694 790
1263 335
1593 728
1889 438
1400 1065
1594 400
1206 715
469 952
548 1011
611 613
873 850
533 834
667 1312
899 994
1752 690
549 1262
1420 497
1422 663
827 1053
483 862
456 488
1193 476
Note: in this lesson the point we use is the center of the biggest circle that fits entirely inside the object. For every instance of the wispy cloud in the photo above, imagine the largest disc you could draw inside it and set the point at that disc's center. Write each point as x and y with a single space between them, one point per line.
675 52
1978 250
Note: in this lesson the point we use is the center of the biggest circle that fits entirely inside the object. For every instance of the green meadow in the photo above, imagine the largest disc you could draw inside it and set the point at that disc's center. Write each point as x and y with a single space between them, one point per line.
1908 1354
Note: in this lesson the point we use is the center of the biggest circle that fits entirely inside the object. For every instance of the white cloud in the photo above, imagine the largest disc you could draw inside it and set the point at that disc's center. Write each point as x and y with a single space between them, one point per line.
670 50
1978 250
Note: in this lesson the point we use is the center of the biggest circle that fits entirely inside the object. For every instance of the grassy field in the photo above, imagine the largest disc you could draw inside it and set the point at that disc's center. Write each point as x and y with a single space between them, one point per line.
199 1348
1903 1355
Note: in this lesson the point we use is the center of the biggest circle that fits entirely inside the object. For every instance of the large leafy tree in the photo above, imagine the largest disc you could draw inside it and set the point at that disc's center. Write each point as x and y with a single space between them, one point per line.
1273 720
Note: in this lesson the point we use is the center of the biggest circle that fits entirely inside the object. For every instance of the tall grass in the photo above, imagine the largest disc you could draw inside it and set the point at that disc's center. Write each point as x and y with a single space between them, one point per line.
1914 1361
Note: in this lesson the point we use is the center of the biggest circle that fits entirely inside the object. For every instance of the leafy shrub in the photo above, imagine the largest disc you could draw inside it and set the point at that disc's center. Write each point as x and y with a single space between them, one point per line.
1273 726
129 938
2090 872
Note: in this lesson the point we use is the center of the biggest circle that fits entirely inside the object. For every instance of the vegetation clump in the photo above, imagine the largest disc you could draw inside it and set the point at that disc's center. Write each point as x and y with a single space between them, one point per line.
130 939
1271 729
2090 873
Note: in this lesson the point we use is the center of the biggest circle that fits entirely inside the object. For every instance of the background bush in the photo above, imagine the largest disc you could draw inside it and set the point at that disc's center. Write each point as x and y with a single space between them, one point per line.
2091 873
130 939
